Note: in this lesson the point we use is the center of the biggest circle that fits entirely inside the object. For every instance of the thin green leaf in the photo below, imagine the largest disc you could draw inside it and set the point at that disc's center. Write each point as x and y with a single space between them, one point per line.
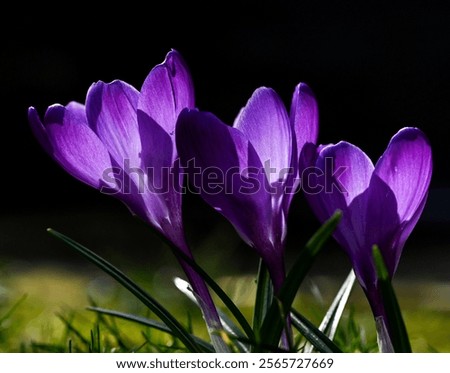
264 298
179 331
331 320
319 340
394 323
111 327
154 324
70 328
233 332
273 323
333 316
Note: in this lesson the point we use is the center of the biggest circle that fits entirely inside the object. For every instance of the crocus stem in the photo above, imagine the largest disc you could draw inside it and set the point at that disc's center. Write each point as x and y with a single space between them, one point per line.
388 318
207 307
264 297
202 294
278 275
385 306
381 321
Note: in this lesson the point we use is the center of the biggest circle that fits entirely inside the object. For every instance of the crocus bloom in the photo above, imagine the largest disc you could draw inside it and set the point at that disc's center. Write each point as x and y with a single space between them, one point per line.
122 142
247 172
381 204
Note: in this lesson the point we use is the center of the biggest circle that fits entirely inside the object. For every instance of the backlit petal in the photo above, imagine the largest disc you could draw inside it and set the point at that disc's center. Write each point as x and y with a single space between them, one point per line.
111 113
406 166
265 123
166 91
77 148
304 116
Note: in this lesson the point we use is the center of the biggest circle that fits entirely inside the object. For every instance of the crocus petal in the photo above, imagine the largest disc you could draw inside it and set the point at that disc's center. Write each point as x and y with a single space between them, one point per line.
304 116
376 223
77 112
347 171
405 230
156 154
406 166
76 147
312 181
231 181
225 162
304 119
166 91
341 173
265 123
111 113
338 181
162 181
39 130
348 166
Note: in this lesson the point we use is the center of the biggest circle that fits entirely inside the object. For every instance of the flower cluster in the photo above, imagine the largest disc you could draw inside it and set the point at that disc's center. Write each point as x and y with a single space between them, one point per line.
141 146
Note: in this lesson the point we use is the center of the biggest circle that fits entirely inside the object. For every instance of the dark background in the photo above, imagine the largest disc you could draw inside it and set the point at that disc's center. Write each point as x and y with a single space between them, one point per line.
374 68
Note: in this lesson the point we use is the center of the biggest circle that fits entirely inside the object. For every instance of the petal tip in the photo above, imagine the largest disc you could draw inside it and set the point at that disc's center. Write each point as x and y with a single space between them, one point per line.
411 133
303 87
33 117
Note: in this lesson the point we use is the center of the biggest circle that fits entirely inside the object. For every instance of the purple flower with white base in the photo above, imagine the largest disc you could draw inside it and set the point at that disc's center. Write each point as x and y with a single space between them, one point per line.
248 172
381 204
122 142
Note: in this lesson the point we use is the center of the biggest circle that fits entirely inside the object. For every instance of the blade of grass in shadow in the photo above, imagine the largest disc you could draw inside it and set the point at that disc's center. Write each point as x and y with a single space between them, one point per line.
111 326
120 338
273 323
68 323
149 323
263 300
314 336
178 330
240 318
331 320
234 332
394 325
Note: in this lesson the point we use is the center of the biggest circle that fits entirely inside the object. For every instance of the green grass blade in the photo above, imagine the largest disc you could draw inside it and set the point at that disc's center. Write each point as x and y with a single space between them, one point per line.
68 323
154 324
314 336
305 260
234 332
263 300
178 330
331 319
273 323
394 323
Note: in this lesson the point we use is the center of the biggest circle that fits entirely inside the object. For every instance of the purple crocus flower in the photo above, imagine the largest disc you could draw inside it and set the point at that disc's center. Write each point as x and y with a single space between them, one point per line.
122 142
248 172
381 204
